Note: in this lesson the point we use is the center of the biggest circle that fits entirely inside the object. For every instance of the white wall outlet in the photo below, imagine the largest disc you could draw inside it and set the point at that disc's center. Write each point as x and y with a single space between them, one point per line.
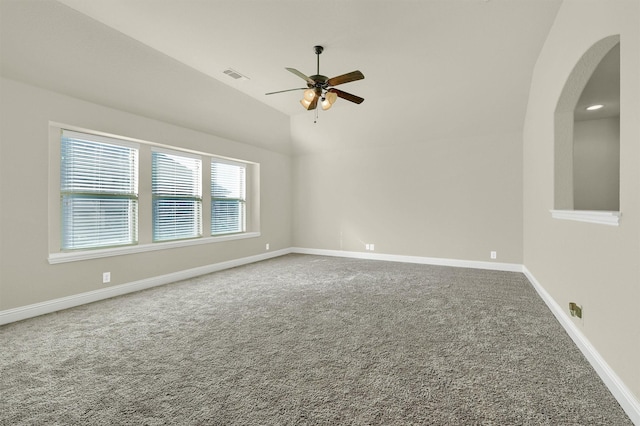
106 277
371 247
266 246
494 255
367 246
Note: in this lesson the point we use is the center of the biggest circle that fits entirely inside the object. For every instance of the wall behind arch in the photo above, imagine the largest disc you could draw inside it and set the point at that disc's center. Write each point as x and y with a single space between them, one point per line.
594 265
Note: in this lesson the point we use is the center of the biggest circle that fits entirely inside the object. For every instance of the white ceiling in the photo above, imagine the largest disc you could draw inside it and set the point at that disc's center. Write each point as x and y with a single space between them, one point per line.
447 63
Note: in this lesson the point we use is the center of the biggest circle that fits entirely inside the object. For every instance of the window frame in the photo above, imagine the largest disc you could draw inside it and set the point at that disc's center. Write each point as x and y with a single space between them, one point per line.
195 197
242 199
145 243
68 195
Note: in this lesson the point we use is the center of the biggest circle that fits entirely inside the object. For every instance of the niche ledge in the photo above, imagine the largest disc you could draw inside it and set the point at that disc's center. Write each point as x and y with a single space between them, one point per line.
589 216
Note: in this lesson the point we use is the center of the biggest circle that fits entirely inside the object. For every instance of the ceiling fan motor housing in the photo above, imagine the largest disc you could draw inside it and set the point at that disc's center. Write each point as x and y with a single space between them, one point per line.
320 81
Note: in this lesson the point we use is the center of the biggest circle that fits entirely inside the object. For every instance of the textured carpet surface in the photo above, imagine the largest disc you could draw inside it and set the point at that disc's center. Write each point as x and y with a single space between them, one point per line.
306 340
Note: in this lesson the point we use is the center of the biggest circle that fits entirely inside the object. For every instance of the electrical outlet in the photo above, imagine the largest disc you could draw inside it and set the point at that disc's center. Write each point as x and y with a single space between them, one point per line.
575 310
106 277
367 246
494 254
267 246
371 247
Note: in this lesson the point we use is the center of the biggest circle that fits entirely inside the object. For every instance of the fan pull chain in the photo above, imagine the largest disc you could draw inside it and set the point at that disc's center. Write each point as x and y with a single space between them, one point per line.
315 120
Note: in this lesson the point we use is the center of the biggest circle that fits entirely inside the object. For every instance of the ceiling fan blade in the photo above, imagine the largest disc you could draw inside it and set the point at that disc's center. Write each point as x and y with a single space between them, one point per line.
345 78
288 90
302 76
347 96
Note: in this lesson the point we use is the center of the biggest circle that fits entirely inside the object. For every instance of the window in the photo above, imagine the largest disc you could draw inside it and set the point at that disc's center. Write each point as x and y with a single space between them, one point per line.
228 190
176 183
98 191
114 195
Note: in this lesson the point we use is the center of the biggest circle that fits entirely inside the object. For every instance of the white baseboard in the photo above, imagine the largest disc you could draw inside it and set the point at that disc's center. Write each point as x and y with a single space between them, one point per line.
494 266
29 311
616 386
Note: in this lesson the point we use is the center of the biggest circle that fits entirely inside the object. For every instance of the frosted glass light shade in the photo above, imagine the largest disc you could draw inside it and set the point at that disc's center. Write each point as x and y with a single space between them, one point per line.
309 94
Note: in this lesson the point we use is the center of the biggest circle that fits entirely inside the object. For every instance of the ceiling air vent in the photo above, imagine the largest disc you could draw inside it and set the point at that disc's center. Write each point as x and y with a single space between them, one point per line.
235 74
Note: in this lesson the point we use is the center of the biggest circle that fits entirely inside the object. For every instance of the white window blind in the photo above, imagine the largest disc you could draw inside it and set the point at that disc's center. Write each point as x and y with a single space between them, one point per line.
98 190
177 196
228 192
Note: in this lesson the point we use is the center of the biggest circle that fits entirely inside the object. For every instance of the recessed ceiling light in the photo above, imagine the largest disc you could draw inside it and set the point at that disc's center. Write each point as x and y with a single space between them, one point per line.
594 107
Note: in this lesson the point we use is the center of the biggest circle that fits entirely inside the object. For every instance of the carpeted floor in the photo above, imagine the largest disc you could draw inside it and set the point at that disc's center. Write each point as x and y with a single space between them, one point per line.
306 340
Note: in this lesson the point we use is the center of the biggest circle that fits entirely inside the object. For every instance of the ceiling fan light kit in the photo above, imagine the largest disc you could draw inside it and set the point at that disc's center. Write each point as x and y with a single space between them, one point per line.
321 88
328 100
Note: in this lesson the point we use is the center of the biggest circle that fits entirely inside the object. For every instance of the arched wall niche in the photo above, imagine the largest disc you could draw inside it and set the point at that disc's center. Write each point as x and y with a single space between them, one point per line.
564 121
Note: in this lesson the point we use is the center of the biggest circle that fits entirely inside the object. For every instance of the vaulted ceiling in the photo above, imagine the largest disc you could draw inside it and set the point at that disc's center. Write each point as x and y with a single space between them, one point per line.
438 66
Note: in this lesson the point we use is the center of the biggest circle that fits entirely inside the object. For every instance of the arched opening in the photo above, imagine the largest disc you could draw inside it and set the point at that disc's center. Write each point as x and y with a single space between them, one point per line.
587 141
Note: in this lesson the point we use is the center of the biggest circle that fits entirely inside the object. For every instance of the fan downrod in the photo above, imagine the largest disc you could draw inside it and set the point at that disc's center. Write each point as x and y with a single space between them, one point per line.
320 80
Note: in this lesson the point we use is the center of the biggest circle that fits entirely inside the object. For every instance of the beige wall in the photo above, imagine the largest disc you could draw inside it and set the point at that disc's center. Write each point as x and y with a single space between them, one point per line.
426 183
596 164
596 266
26 277
454 198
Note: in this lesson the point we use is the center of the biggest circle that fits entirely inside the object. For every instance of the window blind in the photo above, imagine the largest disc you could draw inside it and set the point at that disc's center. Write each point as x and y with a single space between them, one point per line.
228 189
98 190
177 196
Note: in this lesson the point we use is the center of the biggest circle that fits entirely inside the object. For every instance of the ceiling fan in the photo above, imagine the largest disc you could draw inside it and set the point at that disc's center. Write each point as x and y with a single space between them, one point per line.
321 88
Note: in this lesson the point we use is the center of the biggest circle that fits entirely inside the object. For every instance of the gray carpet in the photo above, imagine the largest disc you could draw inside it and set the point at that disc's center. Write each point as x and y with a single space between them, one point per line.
306 340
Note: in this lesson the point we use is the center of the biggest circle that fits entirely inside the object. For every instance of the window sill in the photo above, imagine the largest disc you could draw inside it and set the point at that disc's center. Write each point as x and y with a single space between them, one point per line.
118 251
589 216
